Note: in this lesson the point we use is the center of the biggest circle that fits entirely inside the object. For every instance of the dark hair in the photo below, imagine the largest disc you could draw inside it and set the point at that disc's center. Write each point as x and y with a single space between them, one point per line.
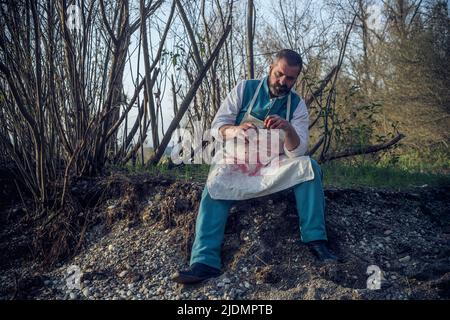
292 57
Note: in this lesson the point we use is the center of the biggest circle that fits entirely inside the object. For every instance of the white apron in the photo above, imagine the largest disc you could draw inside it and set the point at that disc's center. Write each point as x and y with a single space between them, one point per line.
230 182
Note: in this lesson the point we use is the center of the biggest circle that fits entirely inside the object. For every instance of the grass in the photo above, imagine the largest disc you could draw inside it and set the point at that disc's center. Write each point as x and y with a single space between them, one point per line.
345 175
342 174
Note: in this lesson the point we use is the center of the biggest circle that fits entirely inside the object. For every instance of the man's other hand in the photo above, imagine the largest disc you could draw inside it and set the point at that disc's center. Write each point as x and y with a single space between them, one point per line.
276 122
230 131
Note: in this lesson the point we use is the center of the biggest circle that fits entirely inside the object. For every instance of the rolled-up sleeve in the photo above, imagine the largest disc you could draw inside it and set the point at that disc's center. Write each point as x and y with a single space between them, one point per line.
300 122
229 110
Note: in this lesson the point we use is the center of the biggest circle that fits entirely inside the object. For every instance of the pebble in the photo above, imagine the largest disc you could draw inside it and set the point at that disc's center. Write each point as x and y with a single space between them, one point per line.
86 292
246 284
226 280
73 296
405 259
160 291
145 291
123 274
388 232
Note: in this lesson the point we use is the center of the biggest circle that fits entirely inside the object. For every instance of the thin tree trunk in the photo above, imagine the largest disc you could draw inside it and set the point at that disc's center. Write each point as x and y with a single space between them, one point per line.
250 35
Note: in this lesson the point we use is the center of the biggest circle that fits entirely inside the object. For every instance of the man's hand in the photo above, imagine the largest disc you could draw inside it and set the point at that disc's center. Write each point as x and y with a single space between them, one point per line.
230 131
276 122
292 139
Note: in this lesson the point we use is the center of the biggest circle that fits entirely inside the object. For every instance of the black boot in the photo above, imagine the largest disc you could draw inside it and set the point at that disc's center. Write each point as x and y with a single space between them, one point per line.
321 252
196 273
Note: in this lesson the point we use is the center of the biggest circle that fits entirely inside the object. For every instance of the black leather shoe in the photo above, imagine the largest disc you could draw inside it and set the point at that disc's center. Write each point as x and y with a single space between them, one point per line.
321 252
196 273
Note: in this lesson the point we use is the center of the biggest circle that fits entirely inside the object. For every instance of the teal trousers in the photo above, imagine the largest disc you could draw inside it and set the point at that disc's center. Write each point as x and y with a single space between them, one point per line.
213 214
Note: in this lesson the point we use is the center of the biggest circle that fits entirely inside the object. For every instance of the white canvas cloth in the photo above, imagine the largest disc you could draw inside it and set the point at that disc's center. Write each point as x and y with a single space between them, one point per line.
228 181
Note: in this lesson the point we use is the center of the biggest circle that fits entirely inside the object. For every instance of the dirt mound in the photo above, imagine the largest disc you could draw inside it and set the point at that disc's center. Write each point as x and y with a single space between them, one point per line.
144 228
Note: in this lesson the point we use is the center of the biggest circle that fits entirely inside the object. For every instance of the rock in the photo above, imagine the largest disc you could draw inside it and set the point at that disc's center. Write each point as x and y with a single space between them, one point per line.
388 232
220 284
160 291
405 259
86 292
123 273
246 284
226 280
73 296
110 247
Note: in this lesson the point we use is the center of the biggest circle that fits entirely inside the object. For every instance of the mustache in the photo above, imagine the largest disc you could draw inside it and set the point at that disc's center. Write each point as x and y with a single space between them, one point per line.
282 87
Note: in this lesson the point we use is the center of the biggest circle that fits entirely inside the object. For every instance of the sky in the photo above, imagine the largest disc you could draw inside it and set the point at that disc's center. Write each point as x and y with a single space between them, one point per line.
264 11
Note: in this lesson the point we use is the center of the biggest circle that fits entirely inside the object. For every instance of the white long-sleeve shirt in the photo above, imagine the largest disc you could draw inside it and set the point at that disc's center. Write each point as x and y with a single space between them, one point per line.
230 107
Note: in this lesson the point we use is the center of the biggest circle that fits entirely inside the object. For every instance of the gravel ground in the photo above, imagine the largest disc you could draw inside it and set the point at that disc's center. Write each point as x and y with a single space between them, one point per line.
147 230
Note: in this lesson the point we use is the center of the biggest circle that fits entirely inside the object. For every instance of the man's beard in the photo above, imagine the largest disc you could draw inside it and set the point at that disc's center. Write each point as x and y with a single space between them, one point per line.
278 90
